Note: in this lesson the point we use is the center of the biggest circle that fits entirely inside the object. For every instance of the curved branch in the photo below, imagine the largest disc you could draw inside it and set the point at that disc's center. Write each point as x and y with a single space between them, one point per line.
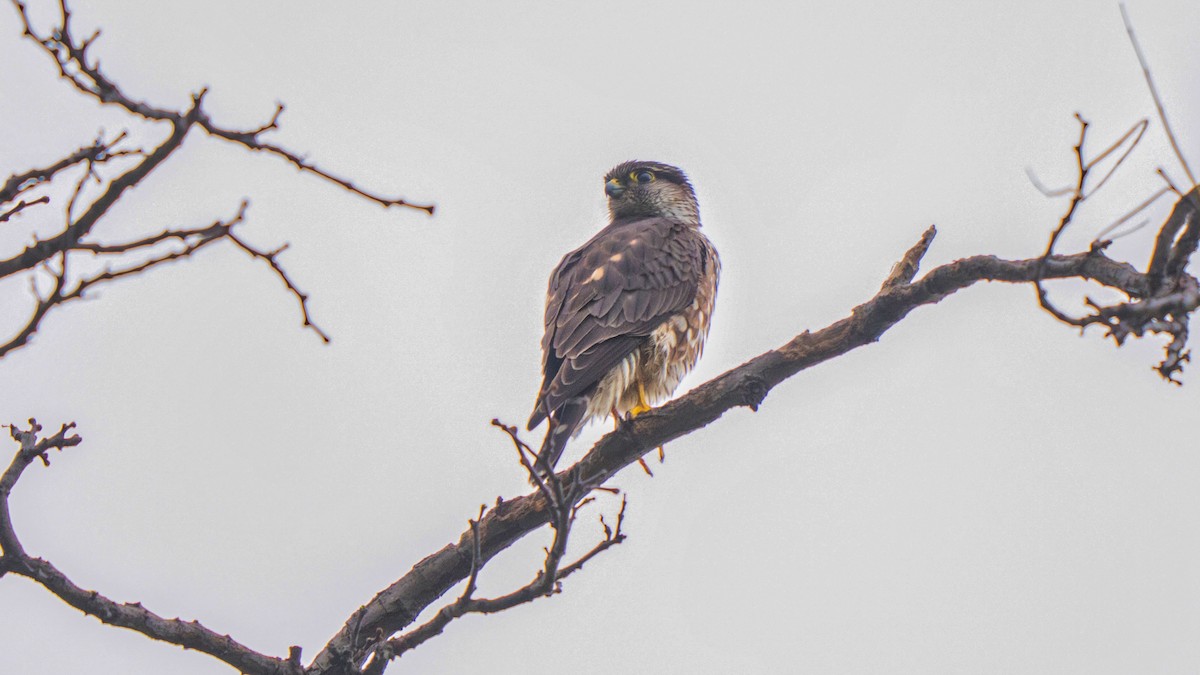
187 634
131 615
31 448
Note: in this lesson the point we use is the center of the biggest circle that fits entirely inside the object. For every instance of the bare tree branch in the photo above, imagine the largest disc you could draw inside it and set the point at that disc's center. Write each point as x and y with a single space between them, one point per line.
612 536
183 235
21 206
193 240
564 507
1183 214
269 258
1158 104
1185 246
1135 133
187 634
906 269
397 606
71 57
1163 307
251 141
1102 239
76 230
98 151
1160 301
84 73
31 448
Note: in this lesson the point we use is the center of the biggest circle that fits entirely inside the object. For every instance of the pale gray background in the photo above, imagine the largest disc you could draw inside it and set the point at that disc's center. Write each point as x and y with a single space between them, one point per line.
981 492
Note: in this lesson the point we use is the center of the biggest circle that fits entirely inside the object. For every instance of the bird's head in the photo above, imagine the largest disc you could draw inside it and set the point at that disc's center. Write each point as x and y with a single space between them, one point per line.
647 189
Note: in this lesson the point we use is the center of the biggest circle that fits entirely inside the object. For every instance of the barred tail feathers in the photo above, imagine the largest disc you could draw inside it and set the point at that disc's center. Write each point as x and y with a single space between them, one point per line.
563 424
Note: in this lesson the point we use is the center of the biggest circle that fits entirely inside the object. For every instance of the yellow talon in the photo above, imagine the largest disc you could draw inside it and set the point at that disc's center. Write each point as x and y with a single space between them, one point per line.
642 405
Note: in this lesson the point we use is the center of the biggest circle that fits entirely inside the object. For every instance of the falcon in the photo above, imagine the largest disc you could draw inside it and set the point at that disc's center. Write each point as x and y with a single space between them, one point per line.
628 312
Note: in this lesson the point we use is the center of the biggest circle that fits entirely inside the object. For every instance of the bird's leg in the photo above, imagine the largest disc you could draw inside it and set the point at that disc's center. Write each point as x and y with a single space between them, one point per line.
642 405
616 418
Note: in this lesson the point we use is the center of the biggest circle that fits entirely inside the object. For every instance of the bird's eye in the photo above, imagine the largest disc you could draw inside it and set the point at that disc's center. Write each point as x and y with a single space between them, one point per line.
642 176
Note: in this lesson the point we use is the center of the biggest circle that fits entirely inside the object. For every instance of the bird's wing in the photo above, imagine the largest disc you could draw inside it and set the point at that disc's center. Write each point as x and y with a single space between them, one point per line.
607 296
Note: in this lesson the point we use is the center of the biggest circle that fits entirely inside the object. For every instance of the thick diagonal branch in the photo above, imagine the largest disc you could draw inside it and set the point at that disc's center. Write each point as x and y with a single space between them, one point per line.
397 606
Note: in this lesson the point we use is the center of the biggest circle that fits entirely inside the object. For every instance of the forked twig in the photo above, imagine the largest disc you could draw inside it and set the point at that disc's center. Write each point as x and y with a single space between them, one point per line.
74 65
21 206
563 507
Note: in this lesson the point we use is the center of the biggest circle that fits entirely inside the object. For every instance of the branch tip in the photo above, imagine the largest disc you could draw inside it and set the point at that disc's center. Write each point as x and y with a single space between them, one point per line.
905 270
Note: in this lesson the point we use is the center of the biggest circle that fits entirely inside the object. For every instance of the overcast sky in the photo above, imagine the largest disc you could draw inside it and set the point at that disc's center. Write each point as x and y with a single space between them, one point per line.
982 491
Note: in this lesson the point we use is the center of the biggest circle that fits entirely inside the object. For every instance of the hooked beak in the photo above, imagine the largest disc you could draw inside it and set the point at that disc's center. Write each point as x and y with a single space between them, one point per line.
613 188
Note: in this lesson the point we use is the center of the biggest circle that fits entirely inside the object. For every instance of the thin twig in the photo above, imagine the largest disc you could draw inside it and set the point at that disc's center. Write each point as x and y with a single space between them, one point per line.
59 295
1136 131
612 537
1077 197
99 151
1100 237
1162 113
216 229
21 206
270 258
1042 188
